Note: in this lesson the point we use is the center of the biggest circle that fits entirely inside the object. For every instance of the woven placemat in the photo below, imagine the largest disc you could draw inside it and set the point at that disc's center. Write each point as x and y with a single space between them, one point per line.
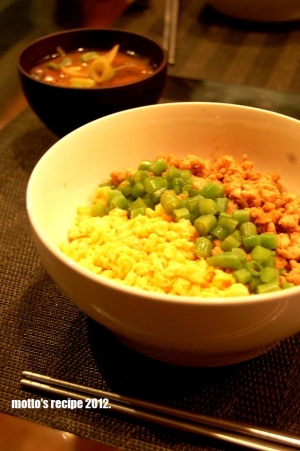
41 331
211 46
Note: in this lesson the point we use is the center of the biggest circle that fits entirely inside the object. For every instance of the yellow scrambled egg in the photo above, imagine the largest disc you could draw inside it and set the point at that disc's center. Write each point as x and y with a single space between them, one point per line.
146 252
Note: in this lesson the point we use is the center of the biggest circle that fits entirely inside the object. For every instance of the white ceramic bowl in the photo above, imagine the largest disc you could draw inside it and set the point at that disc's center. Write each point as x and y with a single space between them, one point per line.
181 330
259 10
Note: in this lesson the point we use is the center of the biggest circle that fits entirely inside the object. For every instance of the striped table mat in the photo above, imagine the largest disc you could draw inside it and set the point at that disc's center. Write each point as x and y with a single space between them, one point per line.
211 46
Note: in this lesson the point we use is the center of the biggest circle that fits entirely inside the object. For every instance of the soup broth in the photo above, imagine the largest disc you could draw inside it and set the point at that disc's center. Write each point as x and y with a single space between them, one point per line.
92 68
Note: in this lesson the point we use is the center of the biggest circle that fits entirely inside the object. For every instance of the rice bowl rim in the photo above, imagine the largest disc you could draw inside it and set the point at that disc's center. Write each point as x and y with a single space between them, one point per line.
135 291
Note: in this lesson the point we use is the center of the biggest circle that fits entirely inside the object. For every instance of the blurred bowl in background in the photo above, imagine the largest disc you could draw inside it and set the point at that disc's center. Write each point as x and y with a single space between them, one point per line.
64 109
259 10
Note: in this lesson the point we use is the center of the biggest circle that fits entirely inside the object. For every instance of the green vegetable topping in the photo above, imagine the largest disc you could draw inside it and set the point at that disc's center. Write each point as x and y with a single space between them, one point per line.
181 213
169 201
203 247
226 260
205 223
249 255
242 275
88 56
213 190
57 66
207 206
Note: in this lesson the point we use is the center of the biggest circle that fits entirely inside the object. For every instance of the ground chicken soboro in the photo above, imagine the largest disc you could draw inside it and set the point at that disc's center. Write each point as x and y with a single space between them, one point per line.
153 253
271 208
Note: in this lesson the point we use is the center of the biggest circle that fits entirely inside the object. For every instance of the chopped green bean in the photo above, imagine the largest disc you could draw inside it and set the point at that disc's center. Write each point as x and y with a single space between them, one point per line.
220 232
144 165
225 214
241 216
169 201
149 203
205 223
253 284
187 188
269 240
158 166
98 209
180 213
182 202
155 197
229 242
225 260
195 192
271 262
177 184
260 254
192 203
213 190
154 183
207 206
140 176
250 241
137 203
186 175
254 267
137 211
286 285
237 235
268 275
268 287
203 247
228 222
119 201
172 173
248 228
112 193
222 204
107 183
130 199
125 187
138 190
240 253
193 216
242 275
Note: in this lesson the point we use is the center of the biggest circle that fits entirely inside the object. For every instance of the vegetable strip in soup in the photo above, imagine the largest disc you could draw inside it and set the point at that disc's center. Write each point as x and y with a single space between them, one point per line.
92 68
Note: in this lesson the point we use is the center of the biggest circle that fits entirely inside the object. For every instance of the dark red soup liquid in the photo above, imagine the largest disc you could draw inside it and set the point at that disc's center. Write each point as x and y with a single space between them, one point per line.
65 69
